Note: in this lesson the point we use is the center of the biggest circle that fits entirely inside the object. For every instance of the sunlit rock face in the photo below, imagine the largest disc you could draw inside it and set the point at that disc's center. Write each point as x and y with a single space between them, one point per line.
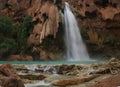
100 19
45 14
107 8
102 15
45 20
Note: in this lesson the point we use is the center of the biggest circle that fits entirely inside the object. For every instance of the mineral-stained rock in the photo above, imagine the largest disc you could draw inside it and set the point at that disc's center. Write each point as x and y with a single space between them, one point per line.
42 12
20 58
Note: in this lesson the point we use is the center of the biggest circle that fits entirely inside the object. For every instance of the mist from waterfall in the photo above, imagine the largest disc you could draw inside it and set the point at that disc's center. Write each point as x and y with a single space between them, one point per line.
75 48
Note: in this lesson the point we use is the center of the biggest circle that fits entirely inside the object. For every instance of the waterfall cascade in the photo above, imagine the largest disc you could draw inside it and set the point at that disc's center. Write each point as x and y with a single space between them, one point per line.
75 48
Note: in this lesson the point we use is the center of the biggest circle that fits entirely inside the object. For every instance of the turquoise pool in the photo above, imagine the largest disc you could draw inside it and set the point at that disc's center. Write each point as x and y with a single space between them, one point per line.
52 62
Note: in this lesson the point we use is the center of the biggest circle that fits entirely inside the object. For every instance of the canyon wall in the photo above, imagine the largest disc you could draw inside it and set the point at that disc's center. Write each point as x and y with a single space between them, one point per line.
45 20
100 22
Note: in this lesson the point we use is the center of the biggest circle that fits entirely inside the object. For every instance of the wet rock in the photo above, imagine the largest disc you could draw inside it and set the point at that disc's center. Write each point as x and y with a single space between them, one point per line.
13 82
8 70
54 77
33 77
20 58
9 75
113 81
111 67
69 69
72 81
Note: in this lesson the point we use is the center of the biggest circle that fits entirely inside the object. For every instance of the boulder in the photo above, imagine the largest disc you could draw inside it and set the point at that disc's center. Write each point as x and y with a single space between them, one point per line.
8 70
13 82
72 81
113 81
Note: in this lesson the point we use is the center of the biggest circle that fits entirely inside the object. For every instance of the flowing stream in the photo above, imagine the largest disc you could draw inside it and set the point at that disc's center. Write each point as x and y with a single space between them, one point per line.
75 48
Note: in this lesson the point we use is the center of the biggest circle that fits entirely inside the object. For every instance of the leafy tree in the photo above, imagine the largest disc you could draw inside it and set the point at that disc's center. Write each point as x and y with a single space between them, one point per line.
7 43
13 37
6 26
23 32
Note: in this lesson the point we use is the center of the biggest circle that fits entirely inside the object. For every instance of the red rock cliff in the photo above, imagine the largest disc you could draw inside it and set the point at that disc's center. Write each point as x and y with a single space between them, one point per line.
101 19
44 13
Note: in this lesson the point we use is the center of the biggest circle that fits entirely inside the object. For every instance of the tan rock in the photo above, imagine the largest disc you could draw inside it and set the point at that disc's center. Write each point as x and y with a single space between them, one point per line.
20 58
48 23
8 70
72 81
109 12
44 55
45 12
13 82
113 81
33 77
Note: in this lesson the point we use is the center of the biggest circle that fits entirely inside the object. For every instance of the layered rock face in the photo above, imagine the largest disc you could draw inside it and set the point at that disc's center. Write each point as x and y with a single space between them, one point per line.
101 19
45 19
44 14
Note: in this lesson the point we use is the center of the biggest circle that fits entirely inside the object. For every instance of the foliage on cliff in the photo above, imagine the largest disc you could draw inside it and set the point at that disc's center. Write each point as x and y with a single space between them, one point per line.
19 33
13 38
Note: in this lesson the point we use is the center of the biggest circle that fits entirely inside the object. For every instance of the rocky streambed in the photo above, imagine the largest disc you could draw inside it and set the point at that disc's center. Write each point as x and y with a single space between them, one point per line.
63 75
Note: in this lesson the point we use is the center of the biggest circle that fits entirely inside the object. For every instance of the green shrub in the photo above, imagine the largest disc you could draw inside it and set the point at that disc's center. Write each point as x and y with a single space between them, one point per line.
13 37
23 32
6 26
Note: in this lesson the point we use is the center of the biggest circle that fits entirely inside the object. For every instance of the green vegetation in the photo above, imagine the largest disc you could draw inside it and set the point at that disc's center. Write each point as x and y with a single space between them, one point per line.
13 37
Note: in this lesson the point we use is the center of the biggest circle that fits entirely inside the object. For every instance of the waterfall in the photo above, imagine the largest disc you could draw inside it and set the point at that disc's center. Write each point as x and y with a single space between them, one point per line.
75 48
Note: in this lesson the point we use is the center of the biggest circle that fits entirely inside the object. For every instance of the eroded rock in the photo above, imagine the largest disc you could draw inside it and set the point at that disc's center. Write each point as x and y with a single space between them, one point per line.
8 70
45 14
113 81
13 82
20 58
72 81
100 20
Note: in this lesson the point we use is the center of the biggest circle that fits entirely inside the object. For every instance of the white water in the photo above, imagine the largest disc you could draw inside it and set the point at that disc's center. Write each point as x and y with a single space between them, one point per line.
75 48
39 84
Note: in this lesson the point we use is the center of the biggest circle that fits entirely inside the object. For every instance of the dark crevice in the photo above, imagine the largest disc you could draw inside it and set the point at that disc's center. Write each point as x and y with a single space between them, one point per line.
102 3
91 15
